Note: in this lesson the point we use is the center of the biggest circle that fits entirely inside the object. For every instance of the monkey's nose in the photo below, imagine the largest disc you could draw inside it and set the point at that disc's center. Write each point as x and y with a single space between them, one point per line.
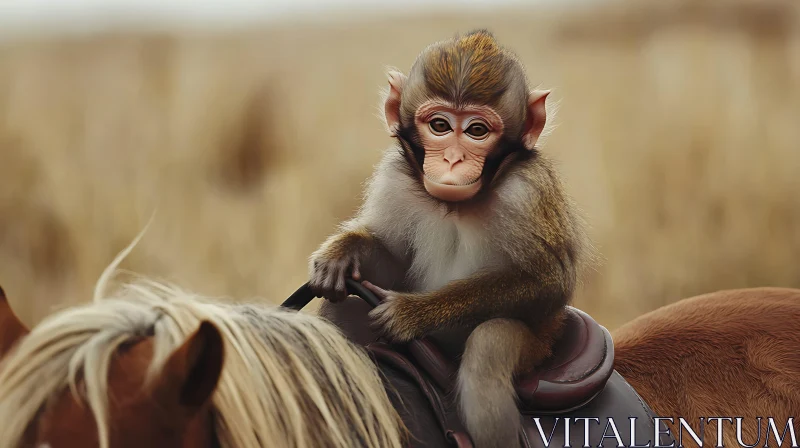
452 157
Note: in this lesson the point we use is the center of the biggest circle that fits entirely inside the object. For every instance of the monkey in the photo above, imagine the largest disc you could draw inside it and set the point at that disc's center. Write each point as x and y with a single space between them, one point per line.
465 224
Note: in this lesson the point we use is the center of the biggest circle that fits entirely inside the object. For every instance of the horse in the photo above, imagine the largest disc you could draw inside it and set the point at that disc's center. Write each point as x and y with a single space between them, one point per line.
153 365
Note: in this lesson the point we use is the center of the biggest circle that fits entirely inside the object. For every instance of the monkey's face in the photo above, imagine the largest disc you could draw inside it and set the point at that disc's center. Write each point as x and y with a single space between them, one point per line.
457 142
464 108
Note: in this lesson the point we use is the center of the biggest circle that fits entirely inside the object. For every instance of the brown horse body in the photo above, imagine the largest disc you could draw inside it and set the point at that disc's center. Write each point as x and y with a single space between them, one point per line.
726 354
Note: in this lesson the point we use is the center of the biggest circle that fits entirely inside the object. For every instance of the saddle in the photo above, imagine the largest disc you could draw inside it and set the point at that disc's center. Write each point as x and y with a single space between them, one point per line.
576 388
575 398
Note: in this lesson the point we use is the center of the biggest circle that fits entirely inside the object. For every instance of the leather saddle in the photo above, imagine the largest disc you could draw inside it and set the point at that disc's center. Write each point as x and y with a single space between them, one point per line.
575 397
583 362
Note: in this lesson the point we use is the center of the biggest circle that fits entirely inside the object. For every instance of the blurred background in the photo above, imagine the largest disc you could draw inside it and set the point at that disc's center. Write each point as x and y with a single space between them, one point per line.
249 127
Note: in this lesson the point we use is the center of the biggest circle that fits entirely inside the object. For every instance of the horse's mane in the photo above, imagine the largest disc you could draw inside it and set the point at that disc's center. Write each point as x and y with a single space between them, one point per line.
317 389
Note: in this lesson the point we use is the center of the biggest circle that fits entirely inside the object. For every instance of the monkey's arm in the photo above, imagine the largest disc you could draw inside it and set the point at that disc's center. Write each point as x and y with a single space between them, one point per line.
468 302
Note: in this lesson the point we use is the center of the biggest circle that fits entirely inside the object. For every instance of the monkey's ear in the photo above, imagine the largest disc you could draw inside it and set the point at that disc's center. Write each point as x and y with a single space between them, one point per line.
535 119
392 106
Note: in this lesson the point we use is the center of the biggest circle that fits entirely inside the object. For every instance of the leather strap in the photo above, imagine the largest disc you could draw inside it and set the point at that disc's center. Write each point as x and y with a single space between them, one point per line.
432 361
452 431
460 439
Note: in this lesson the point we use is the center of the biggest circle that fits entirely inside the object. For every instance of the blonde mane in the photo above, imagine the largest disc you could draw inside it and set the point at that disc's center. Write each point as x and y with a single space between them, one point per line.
290 379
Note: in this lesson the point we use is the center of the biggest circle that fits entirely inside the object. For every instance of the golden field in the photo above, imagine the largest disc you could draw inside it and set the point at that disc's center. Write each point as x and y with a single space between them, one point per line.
677 134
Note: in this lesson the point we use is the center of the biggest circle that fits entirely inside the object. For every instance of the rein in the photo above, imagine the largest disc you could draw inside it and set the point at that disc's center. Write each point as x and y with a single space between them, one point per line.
303 296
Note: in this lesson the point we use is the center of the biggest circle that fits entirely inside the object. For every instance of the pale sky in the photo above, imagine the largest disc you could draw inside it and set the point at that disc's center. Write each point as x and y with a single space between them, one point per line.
54 15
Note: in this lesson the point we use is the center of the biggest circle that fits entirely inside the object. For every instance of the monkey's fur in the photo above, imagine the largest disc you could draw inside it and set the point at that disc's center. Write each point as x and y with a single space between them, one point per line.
501 265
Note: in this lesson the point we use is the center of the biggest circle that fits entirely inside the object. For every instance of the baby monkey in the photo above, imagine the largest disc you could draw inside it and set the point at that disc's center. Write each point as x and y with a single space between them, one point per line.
465 225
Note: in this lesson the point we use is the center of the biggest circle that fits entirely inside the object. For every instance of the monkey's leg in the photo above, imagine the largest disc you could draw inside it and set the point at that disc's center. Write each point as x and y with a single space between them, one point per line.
495 351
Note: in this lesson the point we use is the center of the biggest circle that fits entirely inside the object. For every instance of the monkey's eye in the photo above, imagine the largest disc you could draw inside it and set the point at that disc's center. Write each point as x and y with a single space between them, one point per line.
439 125
477 130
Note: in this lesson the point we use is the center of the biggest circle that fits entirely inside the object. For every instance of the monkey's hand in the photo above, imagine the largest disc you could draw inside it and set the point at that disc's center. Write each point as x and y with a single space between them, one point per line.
400 317
339 257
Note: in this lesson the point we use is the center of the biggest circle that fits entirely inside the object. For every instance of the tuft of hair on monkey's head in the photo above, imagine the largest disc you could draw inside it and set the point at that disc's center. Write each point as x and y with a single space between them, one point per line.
465 99
468 69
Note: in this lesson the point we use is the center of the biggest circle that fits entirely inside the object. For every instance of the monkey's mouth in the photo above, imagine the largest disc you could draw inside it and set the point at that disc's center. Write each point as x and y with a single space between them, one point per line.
450 192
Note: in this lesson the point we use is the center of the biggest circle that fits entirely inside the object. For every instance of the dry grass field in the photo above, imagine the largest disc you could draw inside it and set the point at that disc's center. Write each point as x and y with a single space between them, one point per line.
677 133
